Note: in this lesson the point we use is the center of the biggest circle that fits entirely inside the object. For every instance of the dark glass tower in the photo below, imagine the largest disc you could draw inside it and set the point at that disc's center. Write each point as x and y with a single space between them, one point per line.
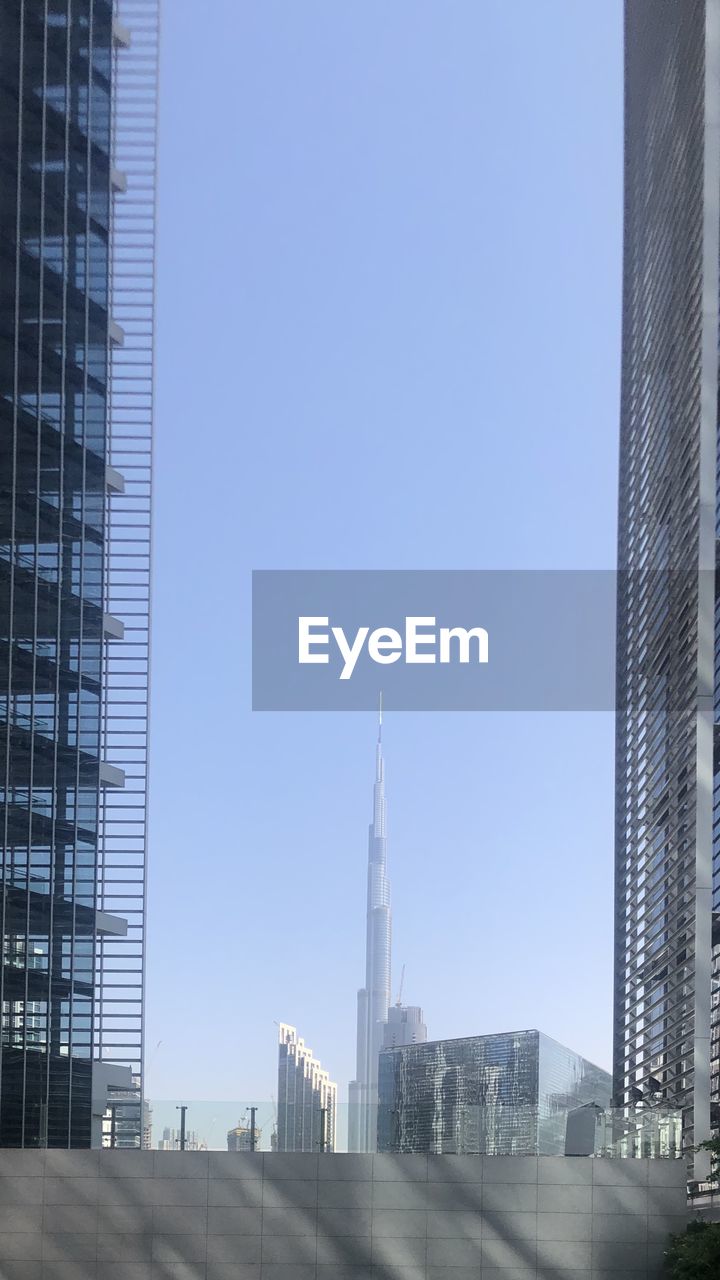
60 497
667 837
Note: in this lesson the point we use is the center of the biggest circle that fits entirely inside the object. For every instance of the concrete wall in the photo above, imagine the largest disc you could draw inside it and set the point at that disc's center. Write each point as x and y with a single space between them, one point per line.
123 1215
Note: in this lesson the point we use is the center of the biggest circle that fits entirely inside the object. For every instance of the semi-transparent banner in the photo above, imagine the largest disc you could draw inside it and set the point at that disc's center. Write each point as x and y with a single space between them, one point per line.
467 640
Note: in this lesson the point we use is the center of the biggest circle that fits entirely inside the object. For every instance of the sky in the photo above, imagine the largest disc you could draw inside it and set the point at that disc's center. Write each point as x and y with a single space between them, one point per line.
389 277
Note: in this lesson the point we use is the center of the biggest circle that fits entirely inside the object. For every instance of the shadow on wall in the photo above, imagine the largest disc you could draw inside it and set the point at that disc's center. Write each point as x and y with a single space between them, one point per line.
389 1216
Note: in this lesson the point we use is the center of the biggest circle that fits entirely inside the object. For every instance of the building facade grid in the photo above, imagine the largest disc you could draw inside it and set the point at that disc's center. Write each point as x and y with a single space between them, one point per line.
63 101
122 872
666 631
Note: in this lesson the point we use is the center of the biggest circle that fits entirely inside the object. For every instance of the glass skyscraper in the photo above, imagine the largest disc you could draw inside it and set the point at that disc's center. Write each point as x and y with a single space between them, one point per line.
76 320
667 868
506 1094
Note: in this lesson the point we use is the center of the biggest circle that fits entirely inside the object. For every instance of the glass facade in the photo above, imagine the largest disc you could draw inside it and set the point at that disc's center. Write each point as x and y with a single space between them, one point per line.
506 1094
119 1005
56 377
667 693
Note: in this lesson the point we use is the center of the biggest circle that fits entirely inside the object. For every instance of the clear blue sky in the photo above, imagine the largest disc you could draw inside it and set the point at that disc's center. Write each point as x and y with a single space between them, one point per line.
389 336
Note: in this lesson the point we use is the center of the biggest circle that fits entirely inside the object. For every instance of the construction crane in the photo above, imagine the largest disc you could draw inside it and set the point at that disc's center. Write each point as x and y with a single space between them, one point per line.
398 1002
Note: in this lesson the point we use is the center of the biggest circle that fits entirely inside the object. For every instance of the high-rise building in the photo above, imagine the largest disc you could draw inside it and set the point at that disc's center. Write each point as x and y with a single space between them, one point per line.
147 1123
667 851
241 1138
373 999
307 1097
118 1112
405 1025
507 1094
77 155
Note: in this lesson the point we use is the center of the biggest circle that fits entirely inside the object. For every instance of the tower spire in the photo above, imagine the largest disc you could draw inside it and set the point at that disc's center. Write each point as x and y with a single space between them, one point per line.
374 998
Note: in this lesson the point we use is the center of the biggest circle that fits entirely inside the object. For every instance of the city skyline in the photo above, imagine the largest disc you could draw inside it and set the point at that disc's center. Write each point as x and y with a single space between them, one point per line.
369 382
450 784
385 369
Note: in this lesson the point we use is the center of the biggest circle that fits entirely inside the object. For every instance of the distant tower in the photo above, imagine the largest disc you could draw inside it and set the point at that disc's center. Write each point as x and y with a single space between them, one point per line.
374 998
404 1026
146 1126
240 1138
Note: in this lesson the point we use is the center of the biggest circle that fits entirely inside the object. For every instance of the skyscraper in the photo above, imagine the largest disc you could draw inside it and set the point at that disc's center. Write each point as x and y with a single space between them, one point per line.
373 999
307 1097
405 1025
667 867
507 1094
77 155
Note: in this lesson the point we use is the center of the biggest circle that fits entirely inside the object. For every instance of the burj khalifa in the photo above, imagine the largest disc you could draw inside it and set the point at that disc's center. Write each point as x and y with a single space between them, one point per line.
374 998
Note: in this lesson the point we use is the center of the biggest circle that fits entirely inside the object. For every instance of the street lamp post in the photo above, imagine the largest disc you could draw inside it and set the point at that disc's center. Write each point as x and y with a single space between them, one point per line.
182 1111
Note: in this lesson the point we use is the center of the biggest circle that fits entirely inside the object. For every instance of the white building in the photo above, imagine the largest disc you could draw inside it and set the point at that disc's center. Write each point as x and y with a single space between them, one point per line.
307 1097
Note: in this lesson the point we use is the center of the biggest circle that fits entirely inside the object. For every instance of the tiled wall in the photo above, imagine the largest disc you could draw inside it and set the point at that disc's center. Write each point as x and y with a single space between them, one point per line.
124 1215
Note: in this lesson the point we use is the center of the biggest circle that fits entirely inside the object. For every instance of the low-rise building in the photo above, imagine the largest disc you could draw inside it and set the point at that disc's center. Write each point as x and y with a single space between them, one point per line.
506 1094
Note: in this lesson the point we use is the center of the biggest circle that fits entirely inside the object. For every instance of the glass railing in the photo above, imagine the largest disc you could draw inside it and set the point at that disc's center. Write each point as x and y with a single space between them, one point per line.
653 1131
